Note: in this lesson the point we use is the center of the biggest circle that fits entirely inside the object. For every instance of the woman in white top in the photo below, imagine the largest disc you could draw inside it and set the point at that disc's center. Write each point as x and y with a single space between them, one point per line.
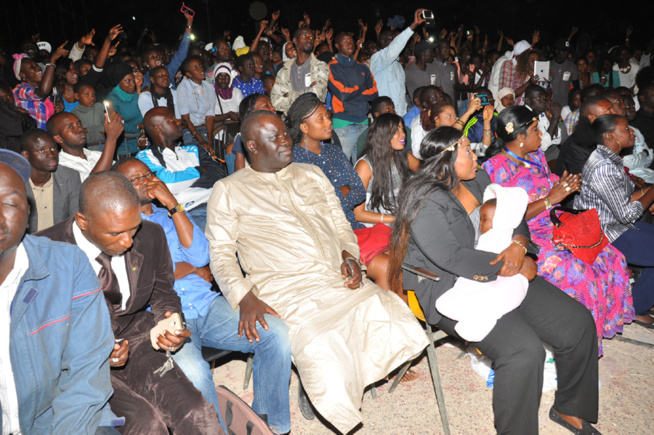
228 97
160 93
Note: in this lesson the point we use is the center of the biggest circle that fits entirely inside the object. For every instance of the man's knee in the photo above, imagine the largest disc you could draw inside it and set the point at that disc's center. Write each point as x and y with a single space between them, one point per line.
277 334
144 420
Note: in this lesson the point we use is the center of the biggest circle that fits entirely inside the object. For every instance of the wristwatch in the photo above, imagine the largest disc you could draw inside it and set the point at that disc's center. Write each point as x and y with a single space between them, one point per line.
178 207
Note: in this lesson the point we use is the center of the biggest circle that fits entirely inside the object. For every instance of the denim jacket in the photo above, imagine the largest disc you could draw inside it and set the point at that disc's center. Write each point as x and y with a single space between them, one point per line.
60 342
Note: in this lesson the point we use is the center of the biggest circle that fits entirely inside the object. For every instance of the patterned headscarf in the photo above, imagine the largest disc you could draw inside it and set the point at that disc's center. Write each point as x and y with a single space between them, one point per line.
17 63
224 68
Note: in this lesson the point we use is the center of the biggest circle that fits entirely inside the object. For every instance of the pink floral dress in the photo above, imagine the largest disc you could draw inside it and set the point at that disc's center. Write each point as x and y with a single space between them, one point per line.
604 287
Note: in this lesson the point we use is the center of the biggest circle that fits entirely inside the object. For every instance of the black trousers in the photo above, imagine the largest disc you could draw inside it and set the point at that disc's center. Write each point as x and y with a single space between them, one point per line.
514 345
151 404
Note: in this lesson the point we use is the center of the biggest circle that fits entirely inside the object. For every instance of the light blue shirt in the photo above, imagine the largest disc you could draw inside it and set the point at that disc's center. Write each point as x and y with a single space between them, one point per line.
194 292
388 72
198 101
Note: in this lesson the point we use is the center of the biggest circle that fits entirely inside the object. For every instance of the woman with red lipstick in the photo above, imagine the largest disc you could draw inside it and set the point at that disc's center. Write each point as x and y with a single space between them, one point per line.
382 170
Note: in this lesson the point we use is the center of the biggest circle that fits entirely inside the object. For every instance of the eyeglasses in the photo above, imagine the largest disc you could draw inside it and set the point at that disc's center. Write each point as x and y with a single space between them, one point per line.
142 177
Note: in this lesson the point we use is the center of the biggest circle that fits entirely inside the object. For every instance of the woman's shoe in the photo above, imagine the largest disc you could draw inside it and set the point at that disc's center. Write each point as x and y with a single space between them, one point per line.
586 428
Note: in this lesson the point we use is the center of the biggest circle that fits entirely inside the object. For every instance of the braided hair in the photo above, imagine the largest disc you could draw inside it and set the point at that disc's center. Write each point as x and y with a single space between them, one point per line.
301 110
168 95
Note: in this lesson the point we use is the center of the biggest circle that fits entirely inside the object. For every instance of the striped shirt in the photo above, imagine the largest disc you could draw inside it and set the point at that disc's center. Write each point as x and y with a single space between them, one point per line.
511 78
607 188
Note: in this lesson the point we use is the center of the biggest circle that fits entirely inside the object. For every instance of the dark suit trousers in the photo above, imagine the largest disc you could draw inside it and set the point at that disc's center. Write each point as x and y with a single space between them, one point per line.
151 404
514 345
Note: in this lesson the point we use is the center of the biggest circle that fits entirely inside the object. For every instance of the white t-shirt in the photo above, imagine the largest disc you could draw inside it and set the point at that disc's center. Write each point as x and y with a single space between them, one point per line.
83 166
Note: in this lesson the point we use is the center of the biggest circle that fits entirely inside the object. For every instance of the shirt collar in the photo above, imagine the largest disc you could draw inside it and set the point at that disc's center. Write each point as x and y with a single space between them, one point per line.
84 244
610 155
21 264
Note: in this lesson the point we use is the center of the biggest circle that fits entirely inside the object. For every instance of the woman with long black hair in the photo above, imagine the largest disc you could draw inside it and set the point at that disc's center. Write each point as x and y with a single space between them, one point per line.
434 230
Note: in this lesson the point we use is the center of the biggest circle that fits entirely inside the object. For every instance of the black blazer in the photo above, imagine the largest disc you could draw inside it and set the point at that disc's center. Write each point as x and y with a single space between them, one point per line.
442 241
65 197
150 275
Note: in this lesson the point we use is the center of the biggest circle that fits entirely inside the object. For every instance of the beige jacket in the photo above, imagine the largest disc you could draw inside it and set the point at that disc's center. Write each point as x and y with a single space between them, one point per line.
283 95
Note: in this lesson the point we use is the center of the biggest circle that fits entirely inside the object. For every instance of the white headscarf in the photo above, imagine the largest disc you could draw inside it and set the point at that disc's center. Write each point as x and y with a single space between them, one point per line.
501 94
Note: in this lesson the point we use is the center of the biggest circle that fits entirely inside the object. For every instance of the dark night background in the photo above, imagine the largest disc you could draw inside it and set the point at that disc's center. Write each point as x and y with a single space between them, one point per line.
60 20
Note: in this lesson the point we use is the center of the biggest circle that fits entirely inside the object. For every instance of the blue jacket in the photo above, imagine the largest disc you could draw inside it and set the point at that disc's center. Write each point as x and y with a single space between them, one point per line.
60 342
352 87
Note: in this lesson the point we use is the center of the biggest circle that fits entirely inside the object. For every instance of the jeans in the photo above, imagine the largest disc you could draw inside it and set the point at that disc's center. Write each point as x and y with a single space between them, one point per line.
348 136
199 215
189 139
271 365
636 245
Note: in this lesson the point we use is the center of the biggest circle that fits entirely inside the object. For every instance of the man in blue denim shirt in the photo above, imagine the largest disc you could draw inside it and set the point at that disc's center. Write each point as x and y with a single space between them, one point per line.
209 316
56 337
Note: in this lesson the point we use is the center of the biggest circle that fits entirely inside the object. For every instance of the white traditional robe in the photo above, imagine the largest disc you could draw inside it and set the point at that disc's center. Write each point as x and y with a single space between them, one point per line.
289 231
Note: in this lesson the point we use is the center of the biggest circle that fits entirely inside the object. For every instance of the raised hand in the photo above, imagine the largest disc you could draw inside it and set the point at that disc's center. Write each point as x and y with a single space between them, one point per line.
88 38
59 53
114 32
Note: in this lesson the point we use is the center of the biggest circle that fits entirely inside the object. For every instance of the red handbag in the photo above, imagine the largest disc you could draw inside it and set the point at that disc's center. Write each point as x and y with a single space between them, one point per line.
578 231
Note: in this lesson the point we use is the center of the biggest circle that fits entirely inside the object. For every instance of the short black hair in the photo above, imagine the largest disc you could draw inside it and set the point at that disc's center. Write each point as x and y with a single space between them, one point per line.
109 189
29 135
378 102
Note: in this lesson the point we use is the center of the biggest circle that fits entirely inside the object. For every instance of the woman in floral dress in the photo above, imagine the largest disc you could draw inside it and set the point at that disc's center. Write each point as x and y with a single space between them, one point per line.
602 287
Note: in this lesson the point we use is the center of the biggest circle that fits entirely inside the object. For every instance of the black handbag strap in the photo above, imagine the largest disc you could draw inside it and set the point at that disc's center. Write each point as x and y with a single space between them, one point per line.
555 219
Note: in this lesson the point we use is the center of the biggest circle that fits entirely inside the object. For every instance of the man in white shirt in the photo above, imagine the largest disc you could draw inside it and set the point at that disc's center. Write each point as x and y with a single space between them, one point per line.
68 131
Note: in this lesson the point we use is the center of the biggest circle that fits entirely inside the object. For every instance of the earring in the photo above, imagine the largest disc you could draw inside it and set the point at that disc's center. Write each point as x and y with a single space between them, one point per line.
522 144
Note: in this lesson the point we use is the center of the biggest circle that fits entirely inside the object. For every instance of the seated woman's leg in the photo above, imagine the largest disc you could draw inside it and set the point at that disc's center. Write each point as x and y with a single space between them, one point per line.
378 270
568 326
637 245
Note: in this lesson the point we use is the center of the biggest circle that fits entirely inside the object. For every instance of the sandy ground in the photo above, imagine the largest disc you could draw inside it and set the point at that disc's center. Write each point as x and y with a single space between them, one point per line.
626 399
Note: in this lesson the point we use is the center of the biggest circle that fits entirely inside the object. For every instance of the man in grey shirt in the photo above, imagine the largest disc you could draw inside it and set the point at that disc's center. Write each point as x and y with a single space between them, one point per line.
445 70
424 72
564 73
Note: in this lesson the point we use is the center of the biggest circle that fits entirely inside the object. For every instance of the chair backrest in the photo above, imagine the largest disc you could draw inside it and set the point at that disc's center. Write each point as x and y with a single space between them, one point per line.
239 418
411 294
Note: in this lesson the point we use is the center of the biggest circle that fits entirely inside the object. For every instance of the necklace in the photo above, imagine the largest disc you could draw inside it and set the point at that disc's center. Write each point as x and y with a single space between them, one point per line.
626 69
526 163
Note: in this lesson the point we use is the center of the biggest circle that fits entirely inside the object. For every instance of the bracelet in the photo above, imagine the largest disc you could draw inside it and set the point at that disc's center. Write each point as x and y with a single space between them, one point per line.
382 218
522 245
488 132
458 121
188 27
194 133
642 192
548 204
50 64
348 259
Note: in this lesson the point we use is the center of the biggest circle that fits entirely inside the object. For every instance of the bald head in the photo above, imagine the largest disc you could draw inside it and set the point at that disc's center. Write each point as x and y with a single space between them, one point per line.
106 191
162 127
267 142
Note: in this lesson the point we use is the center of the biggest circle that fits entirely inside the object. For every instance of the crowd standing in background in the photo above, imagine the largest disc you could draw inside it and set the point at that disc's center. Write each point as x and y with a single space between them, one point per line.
272 191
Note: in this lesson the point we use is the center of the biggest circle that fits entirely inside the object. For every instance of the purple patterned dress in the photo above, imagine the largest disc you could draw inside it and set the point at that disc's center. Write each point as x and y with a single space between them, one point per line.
604 287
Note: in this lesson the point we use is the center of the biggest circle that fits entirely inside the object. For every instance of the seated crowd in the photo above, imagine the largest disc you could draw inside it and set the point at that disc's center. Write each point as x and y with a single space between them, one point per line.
285 198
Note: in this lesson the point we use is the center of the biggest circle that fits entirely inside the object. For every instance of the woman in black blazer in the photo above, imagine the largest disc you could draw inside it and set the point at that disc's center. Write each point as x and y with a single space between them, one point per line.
433 231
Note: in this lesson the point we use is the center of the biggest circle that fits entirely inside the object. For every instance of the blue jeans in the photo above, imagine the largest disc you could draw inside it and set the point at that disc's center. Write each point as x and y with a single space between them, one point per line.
271 366
348 136
637 247
199 215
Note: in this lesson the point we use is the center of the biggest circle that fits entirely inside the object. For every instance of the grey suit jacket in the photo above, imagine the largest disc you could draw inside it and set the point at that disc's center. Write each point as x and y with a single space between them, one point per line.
442 241
65 197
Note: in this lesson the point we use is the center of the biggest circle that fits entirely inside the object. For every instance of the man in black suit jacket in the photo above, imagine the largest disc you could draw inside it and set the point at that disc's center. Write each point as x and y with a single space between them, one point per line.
48 179
139 275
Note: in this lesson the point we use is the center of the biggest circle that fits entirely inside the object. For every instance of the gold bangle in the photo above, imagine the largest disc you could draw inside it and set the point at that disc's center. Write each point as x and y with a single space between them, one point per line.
642 192
382 218
458 121
548 204
522 245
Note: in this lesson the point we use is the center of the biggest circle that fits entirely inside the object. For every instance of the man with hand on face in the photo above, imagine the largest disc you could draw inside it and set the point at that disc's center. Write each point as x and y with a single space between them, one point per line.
300 257
55 333
68 131
549 113
209 317
133 264
53 190
386 68
353 87
303 74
